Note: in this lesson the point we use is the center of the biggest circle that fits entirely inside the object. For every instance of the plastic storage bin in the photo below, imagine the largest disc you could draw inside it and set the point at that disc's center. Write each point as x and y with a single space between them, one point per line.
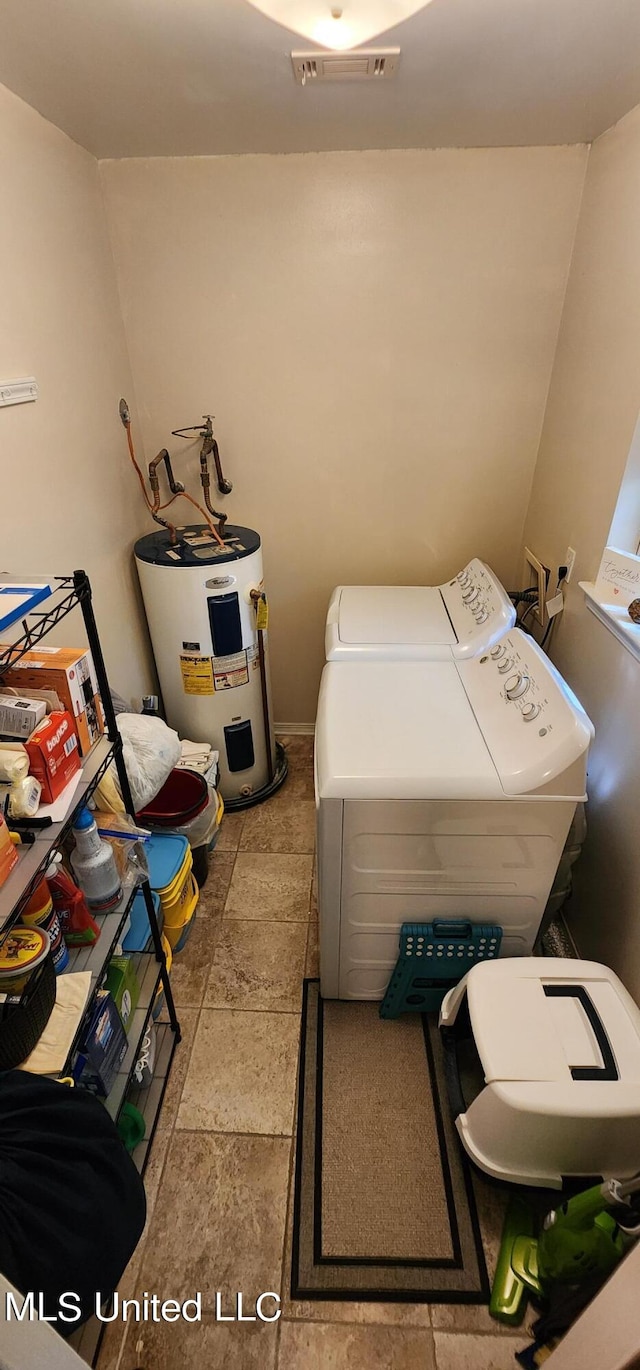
138 933
170 865
201 831
182 797
201 864
202 837
177 937
159 999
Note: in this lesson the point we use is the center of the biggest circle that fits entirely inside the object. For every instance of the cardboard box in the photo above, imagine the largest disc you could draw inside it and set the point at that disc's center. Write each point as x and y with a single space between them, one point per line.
18 599
19 717
122 984
71 673
104 1046
53 754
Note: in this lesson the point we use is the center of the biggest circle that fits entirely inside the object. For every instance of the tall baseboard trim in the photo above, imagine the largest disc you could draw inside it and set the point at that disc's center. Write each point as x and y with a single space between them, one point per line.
294 729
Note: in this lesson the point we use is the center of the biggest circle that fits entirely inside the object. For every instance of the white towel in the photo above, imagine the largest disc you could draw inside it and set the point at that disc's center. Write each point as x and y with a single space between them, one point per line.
49 1056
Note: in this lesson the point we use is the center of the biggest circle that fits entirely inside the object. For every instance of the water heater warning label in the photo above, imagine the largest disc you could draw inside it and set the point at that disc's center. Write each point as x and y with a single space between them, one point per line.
197 675
230 671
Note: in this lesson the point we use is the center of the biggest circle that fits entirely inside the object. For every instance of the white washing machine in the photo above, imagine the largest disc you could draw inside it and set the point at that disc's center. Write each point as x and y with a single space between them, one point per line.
444 790
418 622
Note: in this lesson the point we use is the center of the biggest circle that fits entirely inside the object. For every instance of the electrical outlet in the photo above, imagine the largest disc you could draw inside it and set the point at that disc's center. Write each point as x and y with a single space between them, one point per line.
569 562
536 575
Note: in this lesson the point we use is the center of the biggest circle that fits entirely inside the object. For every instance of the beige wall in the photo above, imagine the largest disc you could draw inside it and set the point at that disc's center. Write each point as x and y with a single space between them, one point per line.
592 412
374 332
66 488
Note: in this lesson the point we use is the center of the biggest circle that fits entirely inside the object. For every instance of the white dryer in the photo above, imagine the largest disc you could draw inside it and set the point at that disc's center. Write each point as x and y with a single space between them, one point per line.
444 790
418 622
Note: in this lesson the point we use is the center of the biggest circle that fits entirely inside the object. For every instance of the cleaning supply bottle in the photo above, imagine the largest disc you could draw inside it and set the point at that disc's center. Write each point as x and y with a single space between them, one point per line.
39 912
79 927
94 864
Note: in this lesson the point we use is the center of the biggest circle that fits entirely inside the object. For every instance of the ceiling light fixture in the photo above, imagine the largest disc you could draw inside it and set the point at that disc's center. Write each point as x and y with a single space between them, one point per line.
339 26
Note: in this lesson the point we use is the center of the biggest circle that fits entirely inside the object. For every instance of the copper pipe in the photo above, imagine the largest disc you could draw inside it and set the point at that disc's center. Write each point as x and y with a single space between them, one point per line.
205 481
155 489
209 445
225 487
256 596
176 486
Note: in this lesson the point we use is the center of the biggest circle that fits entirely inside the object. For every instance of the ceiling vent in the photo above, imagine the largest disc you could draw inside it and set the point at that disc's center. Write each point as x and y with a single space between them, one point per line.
366 64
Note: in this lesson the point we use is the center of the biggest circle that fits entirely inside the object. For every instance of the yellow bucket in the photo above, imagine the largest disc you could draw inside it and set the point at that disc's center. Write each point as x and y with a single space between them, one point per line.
178 895
216 831
158 1002
166 947
176 934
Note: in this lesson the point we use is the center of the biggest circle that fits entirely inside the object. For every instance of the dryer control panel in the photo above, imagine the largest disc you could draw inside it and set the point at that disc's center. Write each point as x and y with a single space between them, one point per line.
533 725
479 608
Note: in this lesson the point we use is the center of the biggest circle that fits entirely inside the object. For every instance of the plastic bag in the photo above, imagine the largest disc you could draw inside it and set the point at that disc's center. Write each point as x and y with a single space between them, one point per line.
127 840
202 829
120 825
150 752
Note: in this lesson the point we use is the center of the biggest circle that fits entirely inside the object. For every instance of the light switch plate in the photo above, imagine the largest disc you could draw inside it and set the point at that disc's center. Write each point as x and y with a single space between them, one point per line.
18 392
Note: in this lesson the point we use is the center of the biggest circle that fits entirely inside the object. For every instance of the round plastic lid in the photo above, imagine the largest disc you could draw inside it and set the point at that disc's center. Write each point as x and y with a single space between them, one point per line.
83 820
165 853
23 950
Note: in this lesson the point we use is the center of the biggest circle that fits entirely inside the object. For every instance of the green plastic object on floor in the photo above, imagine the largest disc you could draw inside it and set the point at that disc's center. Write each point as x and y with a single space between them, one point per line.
586 1235
508 1290
131 1126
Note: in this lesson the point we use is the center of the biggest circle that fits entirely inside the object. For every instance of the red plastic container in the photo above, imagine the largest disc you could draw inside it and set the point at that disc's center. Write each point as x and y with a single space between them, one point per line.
78 925
182 797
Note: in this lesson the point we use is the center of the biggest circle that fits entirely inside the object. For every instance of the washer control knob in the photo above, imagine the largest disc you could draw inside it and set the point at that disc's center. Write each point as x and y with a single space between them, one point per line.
470 595
482 616
530 711
505 665
496 652
516 686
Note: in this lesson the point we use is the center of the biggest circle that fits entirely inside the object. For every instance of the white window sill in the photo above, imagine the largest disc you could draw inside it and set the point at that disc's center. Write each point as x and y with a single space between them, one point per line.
615 618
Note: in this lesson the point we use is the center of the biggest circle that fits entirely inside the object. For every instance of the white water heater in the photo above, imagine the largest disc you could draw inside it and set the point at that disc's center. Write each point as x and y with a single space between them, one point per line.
212 661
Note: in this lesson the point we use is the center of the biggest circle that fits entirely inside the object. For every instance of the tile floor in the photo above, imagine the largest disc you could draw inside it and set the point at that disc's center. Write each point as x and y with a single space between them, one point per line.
219 1180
